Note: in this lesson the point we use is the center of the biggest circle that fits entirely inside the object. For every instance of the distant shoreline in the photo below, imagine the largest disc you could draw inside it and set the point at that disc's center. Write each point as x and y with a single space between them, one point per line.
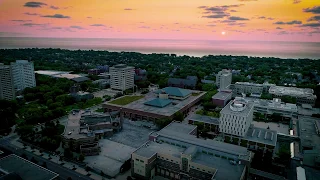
196 48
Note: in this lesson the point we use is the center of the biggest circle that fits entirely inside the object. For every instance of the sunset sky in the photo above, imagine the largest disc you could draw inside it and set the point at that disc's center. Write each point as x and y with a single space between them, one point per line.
272 20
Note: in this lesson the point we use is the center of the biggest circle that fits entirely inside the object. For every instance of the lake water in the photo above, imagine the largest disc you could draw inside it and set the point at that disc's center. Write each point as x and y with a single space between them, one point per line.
180 47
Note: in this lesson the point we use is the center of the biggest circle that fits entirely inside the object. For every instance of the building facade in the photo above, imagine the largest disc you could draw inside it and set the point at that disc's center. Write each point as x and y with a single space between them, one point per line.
236 117
175 153
222 98
224 78
240 88
302 95
7 90
235 124
122 77
23 74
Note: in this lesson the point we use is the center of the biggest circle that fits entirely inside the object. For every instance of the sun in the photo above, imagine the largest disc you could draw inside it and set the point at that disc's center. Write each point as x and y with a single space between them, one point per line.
223 32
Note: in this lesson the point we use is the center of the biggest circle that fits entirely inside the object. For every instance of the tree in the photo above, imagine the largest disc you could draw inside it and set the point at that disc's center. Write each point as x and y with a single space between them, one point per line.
178 116
81 157
161 123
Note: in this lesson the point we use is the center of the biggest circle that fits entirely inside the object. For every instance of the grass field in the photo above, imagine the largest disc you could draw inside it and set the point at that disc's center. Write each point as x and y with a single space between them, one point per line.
125 100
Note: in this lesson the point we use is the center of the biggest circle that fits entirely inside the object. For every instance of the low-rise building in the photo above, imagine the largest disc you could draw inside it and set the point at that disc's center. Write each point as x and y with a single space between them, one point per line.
84 128
302 95
275 106
176 153
189 83
140 74
222 98
209 122
15 167
159 104
240 88
309 140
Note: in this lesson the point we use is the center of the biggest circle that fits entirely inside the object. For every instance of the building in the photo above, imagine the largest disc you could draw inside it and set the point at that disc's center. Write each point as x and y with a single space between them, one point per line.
222 98
235 124
122 77
84 128
275 106
62 74
189 83
176 153
209 122
14 167
302 95
224 78
159 104
7 90
140 75
98 70
253 89
308 131
236 117
23 74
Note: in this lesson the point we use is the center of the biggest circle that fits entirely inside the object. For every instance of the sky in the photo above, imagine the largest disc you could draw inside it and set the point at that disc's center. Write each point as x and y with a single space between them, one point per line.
252 20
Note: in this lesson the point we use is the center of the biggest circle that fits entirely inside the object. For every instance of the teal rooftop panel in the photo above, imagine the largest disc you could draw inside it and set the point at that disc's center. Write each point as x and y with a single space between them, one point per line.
158 102
173 91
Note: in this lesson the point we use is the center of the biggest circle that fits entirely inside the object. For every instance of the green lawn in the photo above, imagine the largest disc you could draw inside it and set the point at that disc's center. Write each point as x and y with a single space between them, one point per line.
125 100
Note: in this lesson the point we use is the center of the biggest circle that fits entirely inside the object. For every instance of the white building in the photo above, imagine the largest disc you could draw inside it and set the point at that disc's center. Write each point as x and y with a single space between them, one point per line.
23 74
224 78
7 90
249 88
122 77
303 95
236 117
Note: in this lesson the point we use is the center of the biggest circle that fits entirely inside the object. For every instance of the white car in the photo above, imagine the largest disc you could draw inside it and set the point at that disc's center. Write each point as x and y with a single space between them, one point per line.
69 133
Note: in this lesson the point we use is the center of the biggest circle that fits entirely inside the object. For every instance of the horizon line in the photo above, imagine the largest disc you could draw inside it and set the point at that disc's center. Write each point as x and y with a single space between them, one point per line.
161 39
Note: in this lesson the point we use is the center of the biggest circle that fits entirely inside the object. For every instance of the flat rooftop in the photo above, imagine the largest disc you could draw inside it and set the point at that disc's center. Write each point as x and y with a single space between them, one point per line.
261 135
249 84
292 91
175 106
278 127
51 72
307 132
222 95
222 165
238 106
26 169
273 104
204 119
171 132
60 74
112 157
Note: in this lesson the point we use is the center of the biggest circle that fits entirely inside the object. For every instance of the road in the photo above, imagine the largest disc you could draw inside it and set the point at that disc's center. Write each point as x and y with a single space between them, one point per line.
64 173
